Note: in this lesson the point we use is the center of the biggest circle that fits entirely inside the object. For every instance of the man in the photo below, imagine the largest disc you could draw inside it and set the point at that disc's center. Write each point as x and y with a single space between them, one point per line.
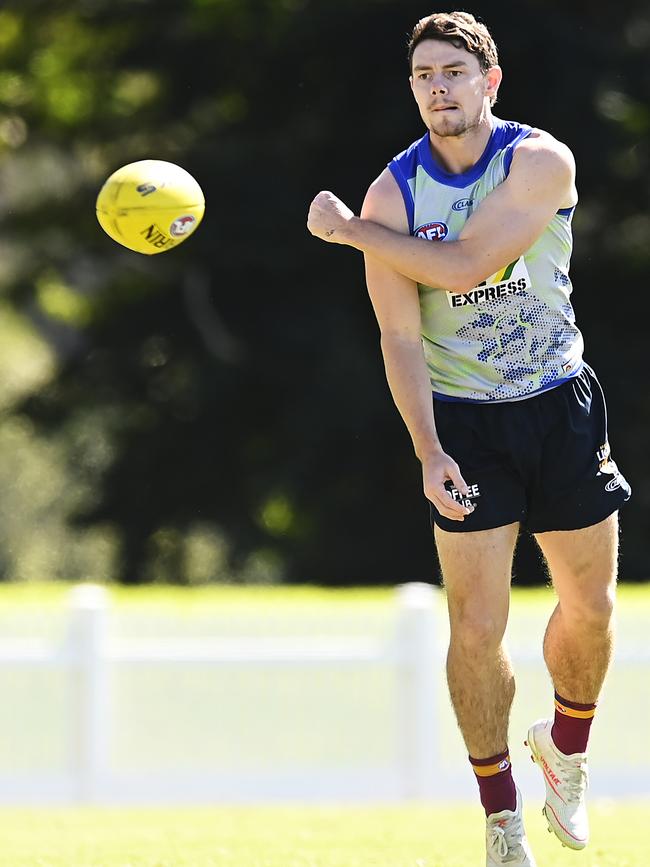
467 240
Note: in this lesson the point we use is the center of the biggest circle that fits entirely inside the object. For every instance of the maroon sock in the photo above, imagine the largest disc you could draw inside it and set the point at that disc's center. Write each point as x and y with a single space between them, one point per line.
570 730
495 783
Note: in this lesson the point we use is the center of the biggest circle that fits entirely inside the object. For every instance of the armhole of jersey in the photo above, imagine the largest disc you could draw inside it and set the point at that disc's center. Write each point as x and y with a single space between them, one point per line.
407 195
507 162
510 149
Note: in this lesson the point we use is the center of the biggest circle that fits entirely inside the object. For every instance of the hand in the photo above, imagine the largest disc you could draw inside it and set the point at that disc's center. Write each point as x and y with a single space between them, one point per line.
329 218
436 470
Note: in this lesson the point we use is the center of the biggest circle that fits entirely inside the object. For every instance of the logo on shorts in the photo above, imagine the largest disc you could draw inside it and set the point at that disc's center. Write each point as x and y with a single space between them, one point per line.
608 467
455 494
432 231
603 457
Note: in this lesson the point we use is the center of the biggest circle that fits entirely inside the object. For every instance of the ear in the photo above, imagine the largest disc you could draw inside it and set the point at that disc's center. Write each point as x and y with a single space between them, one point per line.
492 81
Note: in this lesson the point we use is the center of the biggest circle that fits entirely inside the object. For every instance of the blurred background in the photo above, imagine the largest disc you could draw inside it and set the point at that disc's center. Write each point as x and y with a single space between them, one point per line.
220 413
218 416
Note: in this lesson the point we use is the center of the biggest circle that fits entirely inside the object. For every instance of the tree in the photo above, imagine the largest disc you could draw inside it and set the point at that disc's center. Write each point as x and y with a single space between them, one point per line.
220 412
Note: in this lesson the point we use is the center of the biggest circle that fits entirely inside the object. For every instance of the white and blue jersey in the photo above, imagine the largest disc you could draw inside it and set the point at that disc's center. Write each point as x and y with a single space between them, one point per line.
513 335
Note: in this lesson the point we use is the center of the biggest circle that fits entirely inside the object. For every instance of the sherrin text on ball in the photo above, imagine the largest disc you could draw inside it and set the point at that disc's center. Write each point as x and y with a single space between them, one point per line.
150 206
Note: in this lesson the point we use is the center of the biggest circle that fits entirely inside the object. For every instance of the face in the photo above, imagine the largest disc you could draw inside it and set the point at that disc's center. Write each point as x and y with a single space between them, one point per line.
451 91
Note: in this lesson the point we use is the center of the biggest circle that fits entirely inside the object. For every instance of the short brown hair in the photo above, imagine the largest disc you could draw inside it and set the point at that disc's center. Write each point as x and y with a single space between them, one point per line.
462 30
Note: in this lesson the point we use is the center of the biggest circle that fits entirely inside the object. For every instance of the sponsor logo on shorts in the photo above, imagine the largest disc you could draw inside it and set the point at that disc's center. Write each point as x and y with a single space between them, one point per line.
455 494
603 455
432 231
182 225
462 204
607 467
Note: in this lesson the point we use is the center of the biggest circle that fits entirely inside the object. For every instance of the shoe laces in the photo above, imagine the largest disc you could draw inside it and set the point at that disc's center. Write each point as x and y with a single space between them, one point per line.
498 840
505 835
575 778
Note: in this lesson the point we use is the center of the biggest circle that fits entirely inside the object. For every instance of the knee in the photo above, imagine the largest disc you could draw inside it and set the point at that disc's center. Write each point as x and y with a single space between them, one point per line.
477 632
593 610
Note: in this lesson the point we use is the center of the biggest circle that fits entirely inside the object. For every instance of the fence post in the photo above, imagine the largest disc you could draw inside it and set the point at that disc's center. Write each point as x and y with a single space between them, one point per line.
88 604
419 729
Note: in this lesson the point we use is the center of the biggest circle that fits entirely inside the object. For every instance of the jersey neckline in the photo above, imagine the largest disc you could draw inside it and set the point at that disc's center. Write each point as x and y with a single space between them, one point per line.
495 143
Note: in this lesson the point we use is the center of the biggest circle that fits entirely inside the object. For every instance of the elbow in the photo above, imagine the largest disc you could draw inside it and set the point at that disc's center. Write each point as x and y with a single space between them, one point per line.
392 340
471 275
458 285
462 276
467 268
463 280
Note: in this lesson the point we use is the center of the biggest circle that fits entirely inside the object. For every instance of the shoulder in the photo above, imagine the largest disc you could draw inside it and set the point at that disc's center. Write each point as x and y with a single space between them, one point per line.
384 203
545 168
542 152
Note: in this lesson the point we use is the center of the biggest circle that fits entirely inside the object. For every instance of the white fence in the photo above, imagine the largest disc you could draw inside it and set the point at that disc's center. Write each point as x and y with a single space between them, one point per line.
332 708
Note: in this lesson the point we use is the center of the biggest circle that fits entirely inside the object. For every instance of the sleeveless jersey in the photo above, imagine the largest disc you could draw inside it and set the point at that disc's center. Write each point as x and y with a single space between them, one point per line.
514 334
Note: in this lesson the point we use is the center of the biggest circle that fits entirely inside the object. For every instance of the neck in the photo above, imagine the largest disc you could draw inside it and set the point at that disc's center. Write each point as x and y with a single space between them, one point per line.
458 153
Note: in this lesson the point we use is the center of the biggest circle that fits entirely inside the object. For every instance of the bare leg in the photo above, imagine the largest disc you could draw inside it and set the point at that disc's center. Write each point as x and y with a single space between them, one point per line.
476 569
580 634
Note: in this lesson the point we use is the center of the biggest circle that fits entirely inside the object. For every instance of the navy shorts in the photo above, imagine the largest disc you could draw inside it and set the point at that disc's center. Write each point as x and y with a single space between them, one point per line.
543 461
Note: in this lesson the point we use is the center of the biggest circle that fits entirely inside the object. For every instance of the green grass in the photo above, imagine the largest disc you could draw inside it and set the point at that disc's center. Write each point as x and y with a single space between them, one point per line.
405 836
415 836
54 593
217 595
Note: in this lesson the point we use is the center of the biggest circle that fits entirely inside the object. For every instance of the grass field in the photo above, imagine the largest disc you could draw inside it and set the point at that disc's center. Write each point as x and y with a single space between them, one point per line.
54 593
299 837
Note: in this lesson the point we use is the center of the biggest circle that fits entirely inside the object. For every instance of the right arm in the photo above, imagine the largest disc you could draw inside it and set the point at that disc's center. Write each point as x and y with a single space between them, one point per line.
396 304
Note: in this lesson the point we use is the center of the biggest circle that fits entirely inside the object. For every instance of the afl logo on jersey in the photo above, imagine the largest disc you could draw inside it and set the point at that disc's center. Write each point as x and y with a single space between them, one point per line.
432 231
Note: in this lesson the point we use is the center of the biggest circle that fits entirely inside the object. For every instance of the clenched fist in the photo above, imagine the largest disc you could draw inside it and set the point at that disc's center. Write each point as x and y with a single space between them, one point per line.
329 218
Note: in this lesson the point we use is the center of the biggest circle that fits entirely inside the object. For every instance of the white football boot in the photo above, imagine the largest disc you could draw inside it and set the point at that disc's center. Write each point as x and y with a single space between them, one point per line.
566 780
505 839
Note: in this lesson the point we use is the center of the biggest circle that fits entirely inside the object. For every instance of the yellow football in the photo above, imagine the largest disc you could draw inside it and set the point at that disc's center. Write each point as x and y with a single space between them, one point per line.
150 206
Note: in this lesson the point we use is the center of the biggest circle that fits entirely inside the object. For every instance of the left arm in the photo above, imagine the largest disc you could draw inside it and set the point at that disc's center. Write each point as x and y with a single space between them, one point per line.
506 223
